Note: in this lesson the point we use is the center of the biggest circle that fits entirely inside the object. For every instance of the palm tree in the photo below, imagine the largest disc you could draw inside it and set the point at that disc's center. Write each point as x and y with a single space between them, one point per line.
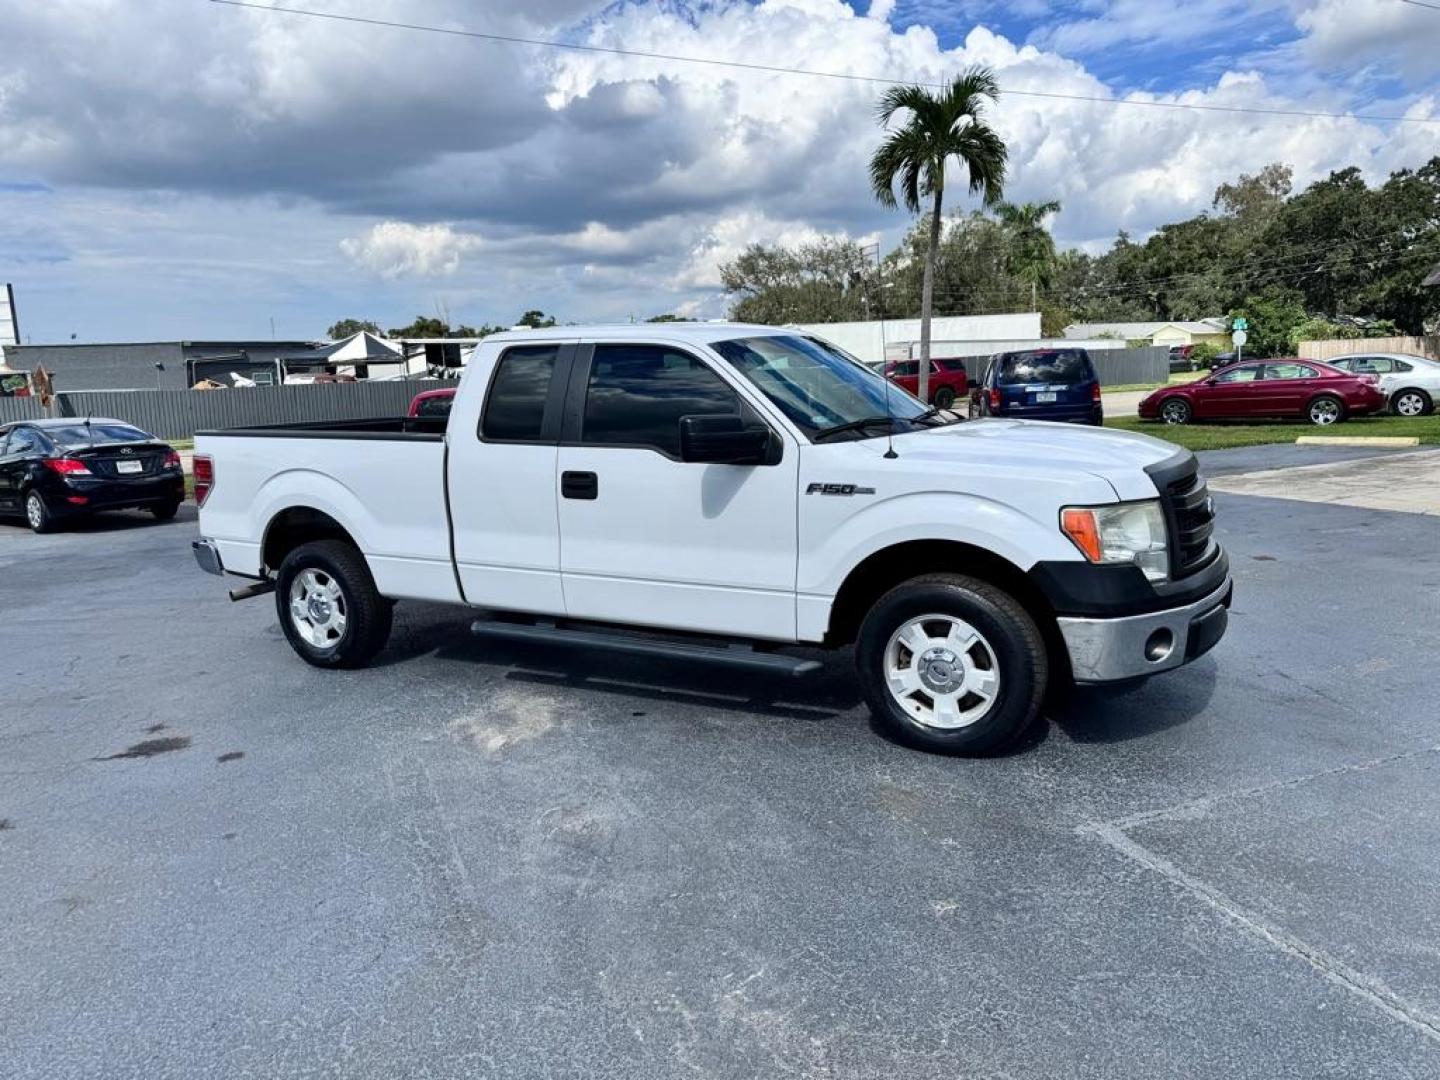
1032 252
941 126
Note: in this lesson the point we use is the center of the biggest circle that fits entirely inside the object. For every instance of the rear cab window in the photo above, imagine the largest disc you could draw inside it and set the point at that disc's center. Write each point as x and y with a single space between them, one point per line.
515 404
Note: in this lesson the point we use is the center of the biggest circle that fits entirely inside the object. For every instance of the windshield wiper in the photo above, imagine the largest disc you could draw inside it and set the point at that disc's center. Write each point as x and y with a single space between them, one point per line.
854 425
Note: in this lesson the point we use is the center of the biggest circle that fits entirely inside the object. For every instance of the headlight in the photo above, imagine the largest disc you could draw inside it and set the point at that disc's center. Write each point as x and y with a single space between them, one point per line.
1127 533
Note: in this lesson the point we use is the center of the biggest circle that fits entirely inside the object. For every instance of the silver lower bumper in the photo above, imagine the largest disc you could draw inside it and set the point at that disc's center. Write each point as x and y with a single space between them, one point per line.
1108 650
208 557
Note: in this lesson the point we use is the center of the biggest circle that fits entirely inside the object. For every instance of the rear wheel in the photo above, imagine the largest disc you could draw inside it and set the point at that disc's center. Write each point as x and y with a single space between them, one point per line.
952 665
37 514
328 605
1325 410
1410 403
944 397
1175 411
165 511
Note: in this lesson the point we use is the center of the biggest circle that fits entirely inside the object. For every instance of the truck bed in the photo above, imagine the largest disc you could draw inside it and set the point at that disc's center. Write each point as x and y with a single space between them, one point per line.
384 427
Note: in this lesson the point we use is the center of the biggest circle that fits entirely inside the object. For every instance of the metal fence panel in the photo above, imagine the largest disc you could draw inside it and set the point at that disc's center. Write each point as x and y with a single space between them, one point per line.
20 408
178 414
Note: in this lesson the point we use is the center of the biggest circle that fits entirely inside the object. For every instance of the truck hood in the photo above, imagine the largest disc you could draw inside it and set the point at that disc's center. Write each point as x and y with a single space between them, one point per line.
1118 457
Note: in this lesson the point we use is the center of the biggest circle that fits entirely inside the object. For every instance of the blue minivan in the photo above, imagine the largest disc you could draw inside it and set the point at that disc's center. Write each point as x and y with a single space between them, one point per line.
1040 384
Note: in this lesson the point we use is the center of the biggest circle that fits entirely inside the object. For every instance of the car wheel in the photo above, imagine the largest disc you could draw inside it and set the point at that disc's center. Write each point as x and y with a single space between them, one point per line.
328 606
165 511
37 514
1410 403
951 665
1325 410
944 397
1175 411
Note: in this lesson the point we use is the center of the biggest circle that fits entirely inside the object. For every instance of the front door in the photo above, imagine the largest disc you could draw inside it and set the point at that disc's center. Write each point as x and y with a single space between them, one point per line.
500 478
647 538
1230 393
14 460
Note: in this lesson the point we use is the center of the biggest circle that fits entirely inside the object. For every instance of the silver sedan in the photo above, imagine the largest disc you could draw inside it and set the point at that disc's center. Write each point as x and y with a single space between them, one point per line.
1412 383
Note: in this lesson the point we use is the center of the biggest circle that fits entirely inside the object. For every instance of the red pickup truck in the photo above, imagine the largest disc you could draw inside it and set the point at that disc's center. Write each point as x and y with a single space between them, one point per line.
948 379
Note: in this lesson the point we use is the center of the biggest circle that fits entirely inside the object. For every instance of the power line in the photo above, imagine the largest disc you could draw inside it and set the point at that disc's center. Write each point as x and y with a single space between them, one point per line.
1422 3
775 69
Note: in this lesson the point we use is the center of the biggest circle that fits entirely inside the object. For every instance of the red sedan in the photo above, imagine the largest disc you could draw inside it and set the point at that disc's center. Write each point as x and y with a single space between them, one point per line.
1288 388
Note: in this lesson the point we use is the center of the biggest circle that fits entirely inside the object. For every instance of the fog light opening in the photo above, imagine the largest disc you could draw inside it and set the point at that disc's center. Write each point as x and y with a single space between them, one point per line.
1159 646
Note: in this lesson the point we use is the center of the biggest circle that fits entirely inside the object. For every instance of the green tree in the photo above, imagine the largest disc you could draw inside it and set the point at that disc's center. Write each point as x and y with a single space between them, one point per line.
823 281
424 326
1273 315
1032 248
350 327
535 319
668 318
940 126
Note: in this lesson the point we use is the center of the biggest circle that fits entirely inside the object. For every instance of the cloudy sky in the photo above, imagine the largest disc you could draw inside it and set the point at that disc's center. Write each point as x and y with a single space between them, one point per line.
180 168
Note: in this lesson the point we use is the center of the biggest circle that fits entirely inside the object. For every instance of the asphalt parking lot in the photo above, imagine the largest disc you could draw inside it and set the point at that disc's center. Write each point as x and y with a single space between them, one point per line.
471 860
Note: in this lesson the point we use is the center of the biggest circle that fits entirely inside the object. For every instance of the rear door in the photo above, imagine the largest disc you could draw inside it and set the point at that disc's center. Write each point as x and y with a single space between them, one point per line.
650 539
1286 387
500 479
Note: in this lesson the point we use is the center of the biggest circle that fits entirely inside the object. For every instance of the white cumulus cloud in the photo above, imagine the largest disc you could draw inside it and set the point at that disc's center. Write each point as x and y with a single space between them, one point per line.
396 249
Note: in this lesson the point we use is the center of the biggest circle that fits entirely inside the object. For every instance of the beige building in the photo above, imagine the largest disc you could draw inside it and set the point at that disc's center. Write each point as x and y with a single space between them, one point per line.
1214 331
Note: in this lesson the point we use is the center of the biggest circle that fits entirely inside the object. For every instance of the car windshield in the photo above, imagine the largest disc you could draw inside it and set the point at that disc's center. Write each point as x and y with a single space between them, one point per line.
85 434
1046 366
817 386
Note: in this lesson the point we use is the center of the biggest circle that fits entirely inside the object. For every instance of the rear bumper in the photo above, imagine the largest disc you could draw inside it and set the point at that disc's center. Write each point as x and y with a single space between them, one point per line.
207 556
84 495
1111 650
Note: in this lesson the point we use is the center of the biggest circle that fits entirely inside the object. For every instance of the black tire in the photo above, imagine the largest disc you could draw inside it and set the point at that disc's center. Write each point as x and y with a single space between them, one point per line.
165 511
944 397
1323 410
37 514
1006 629
1176 410
367 614
1422 403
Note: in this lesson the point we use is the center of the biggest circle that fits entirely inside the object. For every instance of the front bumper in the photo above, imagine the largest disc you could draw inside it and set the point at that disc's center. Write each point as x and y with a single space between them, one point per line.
1133 646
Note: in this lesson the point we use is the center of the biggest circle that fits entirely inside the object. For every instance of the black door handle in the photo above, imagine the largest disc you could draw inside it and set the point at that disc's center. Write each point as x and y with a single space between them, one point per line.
579 485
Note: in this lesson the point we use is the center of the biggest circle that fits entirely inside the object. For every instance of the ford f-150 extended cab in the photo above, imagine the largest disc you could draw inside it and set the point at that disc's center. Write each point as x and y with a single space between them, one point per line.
717 492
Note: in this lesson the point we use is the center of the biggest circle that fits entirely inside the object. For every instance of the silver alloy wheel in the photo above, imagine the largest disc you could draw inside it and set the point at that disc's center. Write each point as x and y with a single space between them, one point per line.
942 671
34 511
1324 412
317 608
1174 412
1409 403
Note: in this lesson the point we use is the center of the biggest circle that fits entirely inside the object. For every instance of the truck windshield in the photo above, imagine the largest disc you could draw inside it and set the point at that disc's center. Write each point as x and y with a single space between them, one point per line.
819 387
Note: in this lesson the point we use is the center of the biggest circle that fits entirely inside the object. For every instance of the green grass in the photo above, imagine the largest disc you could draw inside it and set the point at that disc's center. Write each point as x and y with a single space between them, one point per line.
1221 436
1176 377
182 444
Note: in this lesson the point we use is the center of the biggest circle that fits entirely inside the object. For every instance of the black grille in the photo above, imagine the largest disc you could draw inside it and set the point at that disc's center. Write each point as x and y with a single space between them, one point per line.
1192 516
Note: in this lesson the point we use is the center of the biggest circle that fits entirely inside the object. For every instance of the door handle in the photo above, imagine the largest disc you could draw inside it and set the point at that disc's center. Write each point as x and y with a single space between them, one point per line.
579 485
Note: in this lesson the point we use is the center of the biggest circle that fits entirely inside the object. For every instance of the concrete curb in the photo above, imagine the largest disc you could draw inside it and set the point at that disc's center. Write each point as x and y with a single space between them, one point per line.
1358 440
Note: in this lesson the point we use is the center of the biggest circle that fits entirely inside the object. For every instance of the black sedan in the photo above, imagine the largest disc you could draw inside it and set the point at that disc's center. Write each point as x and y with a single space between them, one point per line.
55 469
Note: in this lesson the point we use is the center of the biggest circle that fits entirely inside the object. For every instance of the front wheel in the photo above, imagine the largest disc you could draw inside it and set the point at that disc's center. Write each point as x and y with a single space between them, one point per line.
952 665
328 605
1176 411
1325 410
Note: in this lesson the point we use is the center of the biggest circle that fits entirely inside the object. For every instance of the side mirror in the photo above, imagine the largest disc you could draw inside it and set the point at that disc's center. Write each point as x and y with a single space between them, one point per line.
723 440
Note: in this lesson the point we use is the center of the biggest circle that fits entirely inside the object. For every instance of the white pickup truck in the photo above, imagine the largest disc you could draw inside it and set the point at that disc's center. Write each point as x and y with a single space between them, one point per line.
716 492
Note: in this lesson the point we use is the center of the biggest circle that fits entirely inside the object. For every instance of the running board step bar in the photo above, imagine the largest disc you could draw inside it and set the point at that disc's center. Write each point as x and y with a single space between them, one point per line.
738 656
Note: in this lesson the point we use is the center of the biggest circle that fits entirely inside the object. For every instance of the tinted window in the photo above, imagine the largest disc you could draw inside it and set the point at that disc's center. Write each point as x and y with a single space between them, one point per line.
435 406
1045 366
907 367
950 365
515 406
1289 371
1401 365
638 393
22 441
1238 374
82 434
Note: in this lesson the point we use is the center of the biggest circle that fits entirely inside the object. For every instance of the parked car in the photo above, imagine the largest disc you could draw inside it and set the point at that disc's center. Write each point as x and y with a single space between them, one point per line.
1411 383
1282 388
1224 359
1180 358
751 485
1040 384
51 470
432 403
949 382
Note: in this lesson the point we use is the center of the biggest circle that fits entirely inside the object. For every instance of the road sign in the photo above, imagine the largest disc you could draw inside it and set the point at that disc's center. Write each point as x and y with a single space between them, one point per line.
1239 337
1240 324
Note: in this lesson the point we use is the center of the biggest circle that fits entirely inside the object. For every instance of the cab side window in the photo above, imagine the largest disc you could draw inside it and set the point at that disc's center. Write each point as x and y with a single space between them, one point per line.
515 404
638 393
